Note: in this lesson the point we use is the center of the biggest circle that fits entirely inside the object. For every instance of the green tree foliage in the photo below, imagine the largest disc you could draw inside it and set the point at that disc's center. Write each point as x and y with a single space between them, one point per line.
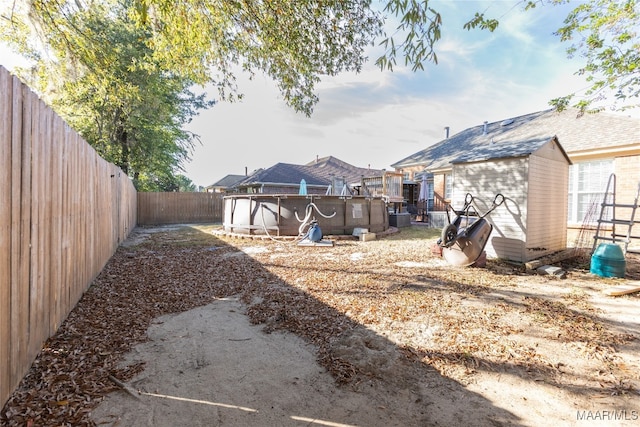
185 184
171 183
293 42
607 34
296 43
420 27
99 76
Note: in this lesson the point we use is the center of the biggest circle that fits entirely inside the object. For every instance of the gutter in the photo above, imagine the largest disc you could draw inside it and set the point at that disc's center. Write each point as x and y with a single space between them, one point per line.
620 151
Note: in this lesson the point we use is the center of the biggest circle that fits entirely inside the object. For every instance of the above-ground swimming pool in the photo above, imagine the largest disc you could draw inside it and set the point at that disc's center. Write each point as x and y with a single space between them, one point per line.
290 214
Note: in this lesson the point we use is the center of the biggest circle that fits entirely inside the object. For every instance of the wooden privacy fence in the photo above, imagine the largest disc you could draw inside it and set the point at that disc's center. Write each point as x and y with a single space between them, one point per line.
179 208
63 212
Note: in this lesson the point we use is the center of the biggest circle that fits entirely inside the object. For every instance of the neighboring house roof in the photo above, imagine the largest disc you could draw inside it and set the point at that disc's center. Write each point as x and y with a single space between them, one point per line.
316 173
228 181
522 135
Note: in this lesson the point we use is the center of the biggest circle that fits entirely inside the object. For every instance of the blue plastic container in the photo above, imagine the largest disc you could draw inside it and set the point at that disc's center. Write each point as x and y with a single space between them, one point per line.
608 261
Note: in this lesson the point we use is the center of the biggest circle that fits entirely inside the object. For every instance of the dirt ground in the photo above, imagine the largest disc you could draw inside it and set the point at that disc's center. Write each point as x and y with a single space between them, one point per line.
188 326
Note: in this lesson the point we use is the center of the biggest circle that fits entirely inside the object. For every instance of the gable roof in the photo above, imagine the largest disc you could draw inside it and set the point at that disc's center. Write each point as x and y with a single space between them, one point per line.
523 135
228 181
507 148
315 173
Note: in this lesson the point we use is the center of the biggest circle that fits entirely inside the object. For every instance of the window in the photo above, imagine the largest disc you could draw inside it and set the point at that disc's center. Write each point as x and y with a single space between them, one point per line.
587 184
448 186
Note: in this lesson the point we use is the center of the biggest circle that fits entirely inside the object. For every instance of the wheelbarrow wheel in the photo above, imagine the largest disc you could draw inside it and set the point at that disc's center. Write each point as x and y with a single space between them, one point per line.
448 236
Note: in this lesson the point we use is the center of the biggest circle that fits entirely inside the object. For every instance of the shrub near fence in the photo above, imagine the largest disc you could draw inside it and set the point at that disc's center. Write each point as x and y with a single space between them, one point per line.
179 208
63 212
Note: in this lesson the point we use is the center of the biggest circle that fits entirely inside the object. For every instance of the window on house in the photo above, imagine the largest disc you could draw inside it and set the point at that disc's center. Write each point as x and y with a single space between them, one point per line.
587 185
448 186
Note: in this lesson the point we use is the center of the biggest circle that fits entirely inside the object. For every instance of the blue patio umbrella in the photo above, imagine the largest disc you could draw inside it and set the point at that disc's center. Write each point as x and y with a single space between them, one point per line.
303 187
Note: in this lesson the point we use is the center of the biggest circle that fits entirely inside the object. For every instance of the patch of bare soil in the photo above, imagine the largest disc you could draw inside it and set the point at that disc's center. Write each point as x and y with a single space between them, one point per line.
189 327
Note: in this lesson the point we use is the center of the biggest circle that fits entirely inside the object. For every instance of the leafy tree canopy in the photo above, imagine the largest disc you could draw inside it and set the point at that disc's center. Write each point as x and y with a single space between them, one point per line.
607 34
98 73
298 42
170 183
293 42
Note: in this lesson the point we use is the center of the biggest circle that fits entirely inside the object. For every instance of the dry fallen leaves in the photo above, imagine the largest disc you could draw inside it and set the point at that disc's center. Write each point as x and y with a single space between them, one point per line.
431 315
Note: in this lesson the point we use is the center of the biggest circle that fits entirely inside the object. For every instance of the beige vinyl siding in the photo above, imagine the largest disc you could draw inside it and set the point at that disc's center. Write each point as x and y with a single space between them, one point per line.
486 179
547 202
532 221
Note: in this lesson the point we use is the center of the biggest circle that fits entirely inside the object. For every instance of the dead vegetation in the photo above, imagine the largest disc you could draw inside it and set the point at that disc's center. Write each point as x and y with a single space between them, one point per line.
353 302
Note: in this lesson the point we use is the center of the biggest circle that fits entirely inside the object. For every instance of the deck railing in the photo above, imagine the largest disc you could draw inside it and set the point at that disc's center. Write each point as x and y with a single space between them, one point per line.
388 186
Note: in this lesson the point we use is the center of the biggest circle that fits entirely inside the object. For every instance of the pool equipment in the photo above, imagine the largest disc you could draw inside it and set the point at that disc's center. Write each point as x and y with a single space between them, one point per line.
282 215
313 236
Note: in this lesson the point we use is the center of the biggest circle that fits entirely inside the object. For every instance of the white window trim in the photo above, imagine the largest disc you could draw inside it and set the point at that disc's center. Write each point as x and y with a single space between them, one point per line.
574 194
448 186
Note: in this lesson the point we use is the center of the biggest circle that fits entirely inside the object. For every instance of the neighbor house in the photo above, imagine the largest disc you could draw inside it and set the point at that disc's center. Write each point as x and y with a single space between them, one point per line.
526 173
226 184
326 174
597 145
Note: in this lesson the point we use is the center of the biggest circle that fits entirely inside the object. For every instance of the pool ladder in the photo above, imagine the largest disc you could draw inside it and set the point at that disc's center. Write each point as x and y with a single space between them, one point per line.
609 201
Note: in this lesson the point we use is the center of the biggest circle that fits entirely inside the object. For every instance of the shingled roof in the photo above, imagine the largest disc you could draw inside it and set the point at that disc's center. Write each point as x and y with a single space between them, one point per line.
522 135
228 181
315 173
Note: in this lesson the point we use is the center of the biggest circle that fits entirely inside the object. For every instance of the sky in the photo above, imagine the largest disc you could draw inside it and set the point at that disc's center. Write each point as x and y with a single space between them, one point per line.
376 118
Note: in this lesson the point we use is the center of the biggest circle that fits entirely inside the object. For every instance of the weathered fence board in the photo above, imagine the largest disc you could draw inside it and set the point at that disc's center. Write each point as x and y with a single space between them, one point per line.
19 292
6 111
63 212
179 208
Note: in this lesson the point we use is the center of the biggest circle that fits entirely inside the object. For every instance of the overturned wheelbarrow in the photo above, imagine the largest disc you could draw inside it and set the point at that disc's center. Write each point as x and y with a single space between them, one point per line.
464 238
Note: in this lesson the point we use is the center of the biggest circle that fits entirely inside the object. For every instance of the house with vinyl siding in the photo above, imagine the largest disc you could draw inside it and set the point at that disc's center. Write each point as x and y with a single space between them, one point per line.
597 145
507 157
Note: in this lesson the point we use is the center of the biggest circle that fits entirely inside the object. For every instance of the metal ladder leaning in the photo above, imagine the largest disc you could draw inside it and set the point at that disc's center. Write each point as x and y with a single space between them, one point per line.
609 201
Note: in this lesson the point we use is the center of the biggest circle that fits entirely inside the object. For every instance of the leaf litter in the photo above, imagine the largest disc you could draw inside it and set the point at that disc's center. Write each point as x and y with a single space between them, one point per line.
464 322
